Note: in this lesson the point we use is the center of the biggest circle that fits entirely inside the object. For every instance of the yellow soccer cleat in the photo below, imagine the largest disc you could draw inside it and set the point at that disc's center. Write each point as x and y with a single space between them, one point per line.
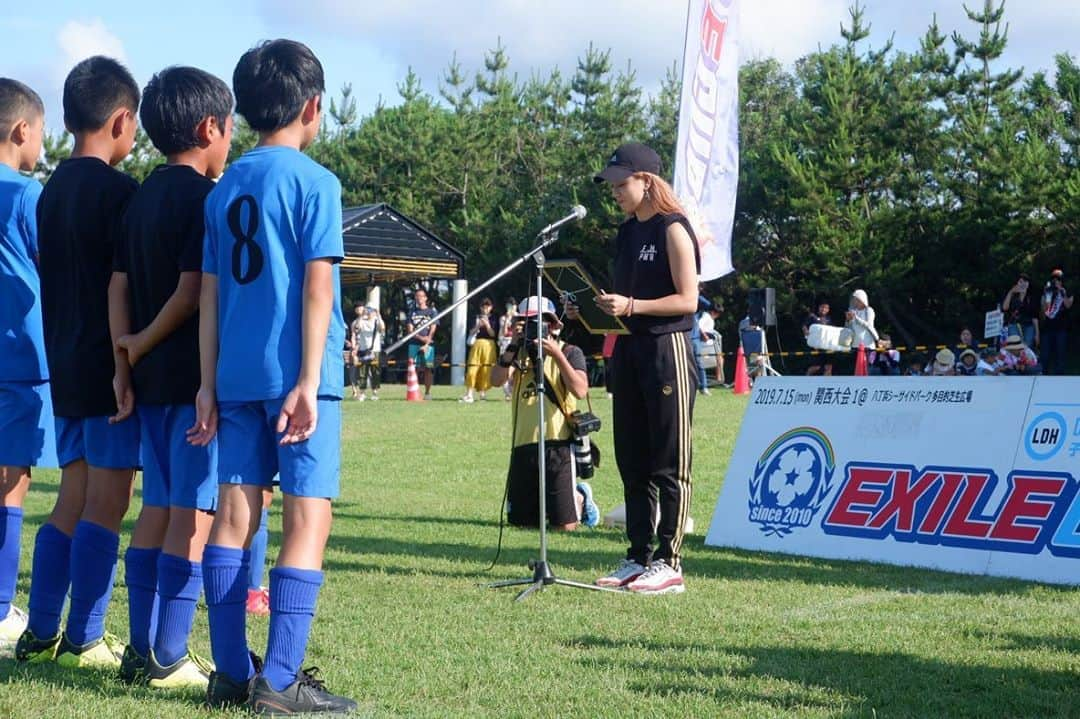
104 653
32 650
188 672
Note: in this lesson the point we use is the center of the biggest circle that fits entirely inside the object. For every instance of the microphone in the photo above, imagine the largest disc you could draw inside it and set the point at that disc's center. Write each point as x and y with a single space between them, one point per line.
576 213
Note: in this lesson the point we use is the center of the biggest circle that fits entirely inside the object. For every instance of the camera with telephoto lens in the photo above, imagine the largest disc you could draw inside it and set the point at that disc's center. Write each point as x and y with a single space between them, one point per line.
584 423
532 348
530 330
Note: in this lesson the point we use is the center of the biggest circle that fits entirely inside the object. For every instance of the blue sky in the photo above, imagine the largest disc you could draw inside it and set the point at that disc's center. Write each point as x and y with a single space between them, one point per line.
371 44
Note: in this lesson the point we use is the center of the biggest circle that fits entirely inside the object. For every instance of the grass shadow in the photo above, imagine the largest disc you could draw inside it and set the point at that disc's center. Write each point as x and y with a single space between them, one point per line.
870 684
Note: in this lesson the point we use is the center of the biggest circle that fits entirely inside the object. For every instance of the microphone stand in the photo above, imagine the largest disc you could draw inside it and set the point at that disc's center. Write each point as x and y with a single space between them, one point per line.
542 575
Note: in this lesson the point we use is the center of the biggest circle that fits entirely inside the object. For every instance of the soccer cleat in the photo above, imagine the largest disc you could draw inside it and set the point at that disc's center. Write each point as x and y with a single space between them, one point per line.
132 666
627 571
258 602
361 397
659 578
32 650
306 695
467 399
105 652
12 626
590 513
222 691
188 672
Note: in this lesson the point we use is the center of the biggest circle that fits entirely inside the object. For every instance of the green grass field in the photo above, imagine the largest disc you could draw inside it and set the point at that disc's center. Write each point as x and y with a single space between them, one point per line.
406 628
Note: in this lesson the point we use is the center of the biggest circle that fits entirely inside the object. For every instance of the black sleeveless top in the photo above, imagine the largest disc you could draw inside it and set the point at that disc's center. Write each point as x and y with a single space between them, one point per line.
642 270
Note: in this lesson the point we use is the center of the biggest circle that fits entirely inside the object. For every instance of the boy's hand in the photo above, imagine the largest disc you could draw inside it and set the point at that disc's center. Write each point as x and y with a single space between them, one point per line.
551 347
134 346
125 396
206 419
299 415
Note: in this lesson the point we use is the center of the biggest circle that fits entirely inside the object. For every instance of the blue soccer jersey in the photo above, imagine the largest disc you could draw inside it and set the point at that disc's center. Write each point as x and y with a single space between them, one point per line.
22 341
273 211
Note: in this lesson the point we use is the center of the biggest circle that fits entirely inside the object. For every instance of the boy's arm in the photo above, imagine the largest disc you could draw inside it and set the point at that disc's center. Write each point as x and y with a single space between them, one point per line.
120 325
181 305
575 379
206 415
299 412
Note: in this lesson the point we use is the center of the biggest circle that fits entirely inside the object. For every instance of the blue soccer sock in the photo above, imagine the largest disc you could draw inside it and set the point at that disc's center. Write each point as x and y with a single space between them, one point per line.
179 584
292 607
49 580
10 541
140 575
258 552
225 583
94 551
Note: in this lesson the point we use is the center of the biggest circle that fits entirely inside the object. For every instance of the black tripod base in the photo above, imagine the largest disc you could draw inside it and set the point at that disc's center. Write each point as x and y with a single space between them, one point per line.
542 577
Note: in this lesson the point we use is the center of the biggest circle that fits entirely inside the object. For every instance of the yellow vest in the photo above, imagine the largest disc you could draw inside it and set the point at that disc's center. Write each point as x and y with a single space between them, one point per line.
524 410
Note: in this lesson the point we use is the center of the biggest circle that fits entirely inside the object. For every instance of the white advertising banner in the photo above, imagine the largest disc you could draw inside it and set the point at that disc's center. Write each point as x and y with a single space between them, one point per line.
965 474
707 148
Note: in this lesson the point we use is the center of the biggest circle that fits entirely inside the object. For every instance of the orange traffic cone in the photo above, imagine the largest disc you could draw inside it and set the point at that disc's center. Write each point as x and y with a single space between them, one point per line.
860 362
412 384
742 377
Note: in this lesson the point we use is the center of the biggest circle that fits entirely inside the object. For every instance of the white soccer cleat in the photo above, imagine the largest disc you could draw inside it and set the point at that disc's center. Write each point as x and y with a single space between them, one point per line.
12 626
659 578
627 571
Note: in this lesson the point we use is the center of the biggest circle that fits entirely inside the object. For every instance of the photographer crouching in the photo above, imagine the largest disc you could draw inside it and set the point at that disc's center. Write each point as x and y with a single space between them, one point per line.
569 502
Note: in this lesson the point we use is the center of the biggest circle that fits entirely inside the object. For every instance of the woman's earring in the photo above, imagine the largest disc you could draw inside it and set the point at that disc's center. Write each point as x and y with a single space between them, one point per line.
646 193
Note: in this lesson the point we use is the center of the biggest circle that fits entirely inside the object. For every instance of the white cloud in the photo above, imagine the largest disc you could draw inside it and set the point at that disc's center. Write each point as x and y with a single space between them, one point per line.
538 36
79 40
789 29
425 34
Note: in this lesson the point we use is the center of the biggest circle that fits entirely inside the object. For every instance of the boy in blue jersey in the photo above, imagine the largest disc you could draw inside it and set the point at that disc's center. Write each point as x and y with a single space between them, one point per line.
25 406
271 332
97 440
188 115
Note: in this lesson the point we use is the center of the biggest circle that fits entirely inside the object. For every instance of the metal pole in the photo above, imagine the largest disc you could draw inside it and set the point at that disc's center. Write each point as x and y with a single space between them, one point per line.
540 399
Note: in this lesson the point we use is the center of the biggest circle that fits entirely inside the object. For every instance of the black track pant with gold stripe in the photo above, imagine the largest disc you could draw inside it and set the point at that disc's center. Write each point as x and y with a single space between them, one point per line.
654 386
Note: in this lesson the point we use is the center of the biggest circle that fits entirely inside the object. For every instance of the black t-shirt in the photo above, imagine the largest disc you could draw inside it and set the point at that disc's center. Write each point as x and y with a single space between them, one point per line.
1023 311
162 237
815 319
484 333
422 318
79 216
1052 296
642 270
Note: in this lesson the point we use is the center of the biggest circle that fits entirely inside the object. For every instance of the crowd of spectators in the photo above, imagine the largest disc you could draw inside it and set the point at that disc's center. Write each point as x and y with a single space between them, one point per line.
1033 338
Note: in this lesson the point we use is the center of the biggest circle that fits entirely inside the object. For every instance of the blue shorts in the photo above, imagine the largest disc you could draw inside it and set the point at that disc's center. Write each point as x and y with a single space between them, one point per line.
423 357
176 473
109 446
249 452
27 428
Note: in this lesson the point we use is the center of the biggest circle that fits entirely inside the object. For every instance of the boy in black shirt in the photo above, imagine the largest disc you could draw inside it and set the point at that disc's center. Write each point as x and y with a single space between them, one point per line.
187 114
97 438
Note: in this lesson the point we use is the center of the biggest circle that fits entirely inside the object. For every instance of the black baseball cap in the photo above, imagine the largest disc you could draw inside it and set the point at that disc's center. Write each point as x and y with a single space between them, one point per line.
628 159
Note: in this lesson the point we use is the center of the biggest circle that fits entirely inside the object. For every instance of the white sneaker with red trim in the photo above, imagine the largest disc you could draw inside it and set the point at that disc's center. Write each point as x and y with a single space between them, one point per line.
659 578
627 571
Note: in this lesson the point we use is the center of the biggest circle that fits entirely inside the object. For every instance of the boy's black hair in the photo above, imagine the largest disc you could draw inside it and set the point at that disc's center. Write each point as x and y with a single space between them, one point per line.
176 100
272 81
94 89
18 102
